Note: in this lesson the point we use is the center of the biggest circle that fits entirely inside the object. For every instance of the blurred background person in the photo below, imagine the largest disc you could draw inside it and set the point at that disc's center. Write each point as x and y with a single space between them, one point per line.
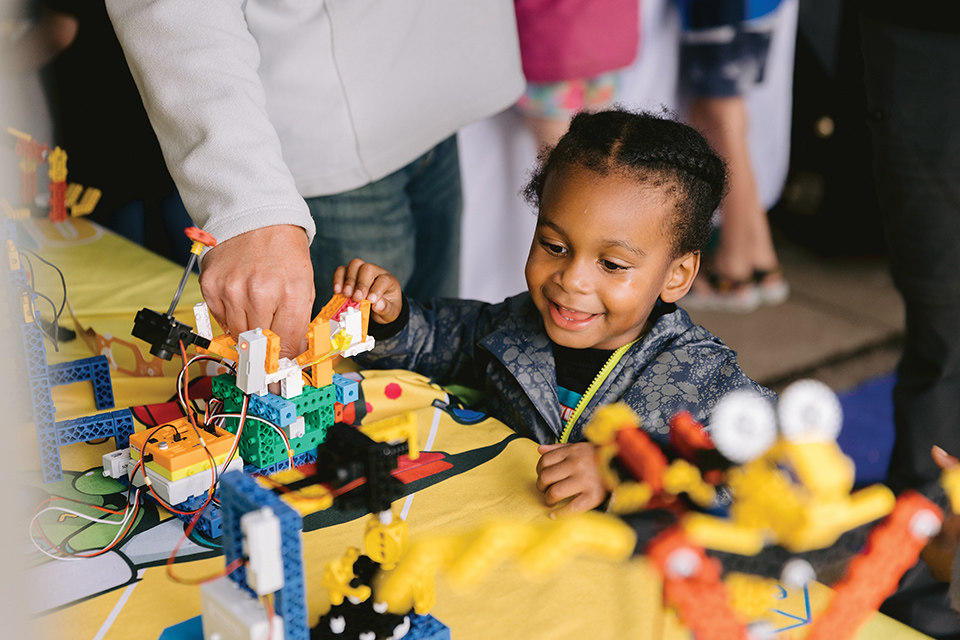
723 55
573 52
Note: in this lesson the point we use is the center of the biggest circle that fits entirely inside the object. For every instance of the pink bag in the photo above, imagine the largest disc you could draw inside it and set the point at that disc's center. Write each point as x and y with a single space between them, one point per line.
570 39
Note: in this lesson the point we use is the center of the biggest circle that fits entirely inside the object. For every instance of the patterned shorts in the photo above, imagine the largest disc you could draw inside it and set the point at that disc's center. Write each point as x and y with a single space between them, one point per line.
725 61
561 100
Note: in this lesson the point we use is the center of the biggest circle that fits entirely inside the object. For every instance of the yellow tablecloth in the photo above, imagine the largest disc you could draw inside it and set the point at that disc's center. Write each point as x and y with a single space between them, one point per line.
127 595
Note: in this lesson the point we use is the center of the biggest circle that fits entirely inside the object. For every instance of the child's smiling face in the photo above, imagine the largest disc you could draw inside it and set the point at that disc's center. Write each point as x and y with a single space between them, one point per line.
601 255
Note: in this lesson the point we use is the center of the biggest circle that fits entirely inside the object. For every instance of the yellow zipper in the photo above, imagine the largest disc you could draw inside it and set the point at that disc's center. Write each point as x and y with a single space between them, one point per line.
592 389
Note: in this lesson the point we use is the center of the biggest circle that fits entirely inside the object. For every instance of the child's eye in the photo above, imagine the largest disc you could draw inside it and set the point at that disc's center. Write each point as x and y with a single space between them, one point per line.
612 266
553 248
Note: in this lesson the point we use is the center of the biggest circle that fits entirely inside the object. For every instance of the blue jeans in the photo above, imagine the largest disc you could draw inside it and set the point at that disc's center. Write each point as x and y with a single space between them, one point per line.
407 222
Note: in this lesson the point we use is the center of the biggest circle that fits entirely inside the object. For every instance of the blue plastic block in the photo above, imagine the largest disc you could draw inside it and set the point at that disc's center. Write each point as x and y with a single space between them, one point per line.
33 348
95 369
277 410
43 409
347 390
210 522
191 629
240 494
282 465
427 628
50 456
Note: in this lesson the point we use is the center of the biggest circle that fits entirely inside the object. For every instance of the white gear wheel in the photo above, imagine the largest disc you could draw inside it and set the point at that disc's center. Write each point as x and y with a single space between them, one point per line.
743 426
810 411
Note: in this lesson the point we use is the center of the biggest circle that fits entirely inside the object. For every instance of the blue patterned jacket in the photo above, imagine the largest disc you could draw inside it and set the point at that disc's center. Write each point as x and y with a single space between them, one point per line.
504 350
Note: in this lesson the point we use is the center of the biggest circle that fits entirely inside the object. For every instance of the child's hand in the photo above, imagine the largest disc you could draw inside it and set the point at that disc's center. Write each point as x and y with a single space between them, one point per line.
569 471
939 552
359 280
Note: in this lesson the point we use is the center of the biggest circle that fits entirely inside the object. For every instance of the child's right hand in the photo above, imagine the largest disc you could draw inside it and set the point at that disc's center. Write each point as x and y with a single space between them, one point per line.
364 280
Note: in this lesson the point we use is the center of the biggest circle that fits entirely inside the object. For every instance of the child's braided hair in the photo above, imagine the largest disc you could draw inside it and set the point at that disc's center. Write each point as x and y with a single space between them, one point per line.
649 147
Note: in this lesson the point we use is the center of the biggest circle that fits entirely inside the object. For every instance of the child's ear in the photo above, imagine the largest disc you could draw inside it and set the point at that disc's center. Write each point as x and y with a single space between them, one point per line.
680 278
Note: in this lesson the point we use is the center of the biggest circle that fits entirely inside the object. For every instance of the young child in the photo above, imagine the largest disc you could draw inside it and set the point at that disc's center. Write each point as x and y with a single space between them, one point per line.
624 201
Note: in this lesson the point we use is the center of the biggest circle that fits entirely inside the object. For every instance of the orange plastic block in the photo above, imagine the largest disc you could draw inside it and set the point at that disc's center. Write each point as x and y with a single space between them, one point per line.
642 457
272 363
364 318
700 597
687 436
332 308
177 451
892 548
222 345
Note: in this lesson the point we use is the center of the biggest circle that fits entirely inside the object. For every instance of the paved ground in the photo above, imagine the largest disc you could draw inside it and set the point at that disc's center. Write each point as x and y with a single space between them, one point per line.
842 324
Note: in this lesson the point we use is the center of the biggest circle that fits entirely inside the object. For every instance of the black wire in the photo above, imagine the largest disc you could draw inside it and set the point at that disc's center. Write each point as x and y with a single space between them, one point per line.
55 338
63 281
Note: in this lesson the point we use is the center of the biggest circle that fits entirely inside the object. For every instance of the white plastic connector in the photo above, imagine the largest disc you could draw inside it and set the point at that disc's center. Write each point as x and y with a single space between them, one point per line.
262 548
252 362
743 426
202 316
230 613
117 463
297 429
810 411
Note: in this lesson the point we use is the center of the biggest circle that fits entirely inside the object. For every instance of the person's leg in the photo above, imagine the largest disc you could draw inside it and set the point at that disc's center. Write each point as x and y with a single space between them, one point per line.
916 145
407 222
128 220
745 240
436 200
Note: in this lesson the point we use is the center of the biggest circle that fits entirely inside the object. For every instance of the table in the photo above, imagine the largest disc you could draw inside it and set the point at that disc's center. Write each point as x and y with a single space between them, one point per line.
127 594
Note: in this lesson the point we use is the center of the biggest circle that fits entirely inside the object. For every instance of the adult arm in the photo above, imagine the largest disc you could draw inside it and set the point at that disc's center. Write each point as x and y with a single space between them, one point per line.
195 64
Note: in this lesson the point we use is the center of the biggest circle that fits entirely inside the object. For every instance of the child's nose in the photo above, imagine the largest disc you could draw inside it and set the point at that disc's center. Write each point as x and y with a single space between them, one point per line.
574 277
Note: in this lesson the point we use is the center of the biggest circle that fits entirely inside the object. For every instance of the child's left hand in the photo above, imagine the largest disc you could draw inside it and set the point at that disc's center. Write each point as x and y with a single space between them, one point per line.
570 471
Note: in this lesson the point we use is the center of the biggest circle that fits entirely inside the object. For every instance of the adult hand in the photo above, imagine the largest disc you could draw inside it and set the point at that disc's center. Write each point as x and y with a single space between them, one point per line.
262 278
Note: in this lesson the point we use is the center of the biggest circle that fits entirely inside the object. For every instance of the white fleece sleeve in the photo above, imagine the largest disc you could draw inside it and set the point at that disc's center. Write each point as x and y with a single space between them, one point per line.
196 64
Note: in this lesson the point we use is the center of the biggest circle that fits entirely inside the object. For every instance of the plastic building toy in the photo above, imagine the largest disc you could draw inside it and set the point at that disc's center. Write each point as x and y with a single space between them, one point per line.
793 488
63 197
41 377
286 496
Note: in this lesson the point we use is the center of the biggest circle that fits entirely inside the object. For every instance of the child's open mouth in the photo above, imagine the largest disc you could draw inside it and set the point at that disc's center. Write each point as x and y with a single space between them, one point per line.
570 319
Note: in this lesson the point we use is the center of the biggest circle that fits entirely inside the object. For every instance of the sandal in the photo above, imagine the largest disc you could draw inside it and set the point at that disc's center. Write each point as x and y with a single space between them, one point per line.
771 287
724 294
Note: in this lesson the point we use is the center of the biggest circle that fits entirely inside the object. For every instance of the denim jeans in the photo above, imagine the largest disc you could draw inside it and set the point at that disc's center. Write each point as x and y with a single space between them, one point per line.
407 222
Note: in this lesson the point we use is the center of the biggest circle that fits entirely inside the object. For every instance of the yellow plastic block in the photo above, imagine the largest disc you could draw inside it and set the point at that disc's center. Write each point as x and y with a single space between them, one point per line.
72 194
398 428
722 535
58 165
608 420
87 203
177 459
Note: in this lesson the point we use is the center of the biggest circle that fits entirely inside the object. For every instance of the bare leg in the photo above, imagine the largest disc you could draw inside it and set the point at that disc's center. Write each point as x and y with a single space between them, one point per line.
745 240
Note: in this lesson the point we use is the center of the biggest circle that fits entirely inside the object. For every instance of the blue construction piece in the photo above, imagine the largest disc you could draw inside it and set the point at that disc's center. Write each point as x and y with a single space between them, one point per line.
210 522
427 628
95 369
191 629
283 465
240 494
51 435
277 410
115 424
347 390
